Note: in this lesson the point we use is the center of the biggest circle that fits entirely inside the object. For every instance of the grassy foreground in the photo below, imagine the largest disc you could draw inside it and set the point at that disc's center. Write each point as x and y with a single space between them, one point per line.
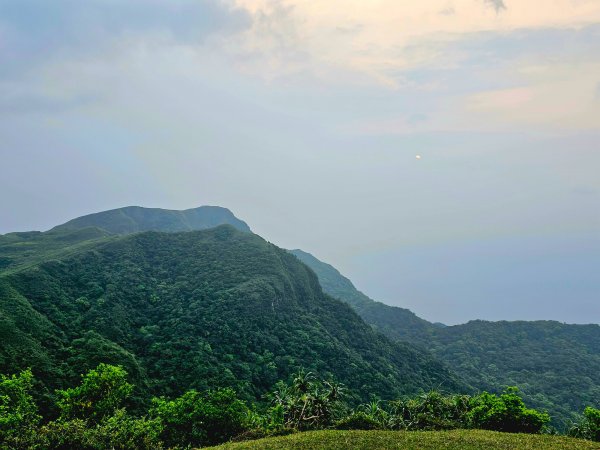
409 440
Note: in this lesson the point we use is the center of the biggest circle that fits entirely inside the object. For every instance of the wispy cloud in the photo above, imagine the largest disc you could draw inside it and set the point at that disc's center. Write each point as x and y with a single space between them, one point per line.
498 5
390 31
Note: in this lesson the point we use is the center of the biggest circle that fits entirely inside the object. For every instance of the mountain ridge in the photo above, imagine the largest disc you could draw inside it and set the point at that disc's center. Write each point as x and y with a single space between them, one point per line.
556 365
132 219
198 309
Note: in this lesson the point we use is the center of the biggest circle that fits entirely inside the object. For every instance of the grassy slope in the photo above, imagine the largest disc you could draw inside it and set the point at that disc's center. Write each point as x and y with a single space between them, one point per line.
417 440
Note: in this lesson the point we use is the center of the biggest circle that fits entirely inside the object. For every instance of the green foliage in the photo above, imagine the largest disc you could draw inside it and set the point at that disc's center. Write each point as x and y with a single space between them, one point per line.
69 434
92 420
220 308
199 419
358 420
119 431
307 403
589 425
101 392
431 411
506 412
195 310
18 412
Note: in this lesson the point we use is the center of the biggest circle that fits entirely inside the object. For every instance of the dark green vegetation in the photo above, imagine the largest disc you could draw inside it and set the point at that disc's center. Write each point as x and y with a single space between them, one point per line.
22 249
412 440
193 310
308 404
93 415
397 323
191 315
556 366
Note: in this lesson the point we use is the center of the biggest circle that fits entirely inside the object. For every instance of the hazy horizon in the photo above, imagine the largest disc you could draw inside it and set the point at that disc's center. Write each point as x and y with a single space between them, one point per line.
306 119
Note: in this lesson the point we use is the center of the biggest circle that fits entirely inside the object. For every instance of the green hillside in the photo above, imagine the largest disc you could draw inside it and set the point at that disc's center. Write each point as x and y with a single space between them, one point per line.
413 440
199 309
557 366
223 307
397 323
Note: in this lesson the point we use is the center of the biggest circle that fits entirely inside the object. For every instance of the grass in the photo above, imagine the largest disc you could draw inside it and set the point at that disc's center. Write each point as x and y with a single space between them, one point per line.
413 440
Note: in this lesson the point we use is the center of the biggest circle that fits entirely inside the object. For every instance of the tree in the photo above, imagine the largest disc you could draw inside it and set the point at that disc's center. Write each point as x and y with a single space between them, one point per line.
201 418
101 392
308 403
506 412
18 412
589 426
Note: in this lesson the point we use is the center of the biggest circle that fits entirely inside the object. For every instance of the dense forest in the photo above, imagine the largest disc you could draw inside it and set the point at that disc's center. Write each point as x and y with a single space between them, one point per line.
193 310
557 366
189 310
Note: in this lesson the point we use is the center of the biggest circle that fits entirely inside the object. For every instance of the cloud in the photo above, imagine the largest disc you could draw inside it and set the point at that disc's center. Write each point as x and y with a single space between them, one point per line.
498 5
395 36
36 31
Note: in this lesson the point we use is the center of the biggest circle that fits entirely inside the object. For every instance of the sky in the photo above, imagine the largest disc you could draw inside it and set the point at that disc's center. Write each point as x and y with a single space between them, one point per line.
305 118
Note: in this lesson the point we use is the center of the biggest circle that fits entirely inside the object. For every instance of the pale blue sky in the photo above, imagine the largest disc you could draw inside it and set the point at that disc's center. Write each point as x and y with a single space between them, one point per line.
304 118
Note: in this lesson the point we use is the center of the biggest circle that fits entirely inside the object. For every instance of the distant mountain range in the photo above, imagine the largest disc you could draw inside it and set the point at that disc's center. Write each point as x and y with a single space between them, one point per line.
557 366
193 299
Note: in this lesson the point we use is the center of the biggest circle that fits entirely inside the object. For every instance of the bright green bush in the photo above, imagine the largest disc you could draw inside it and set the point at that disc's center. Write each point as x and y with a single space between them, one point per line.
18 412
201 418
91 417
121 431
101 392
118 432
506 412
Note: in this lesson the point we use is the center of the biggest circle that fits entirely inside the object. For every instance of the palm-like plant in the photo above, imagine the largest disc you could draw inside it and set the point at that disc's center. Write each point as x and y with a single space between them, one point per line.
307 403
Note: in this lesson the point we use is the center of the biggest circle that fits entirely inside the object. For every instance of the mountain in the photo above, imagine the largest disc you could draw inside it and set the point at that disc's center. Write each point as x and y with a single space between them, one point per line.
557 366
396 323
133 219
195 309
22 249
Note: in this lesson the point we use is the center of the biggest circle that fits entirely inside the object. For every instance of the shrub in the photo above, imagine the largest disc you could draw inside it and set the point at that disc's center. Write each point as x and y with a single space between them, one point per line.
18 412
307 403
200 419
430 411
358 420
506 412
589 426
101 392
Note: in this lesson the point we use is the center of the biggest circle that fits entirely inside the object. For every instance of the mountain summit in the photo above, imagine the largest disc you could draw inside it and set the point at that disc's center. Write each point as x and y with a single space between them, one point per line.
134 219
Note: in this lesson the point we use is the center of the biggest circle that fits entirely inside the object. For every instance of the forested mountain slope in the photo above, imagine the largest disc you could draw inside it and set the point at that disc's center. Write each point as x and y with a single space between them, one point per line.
395 322
21 249
198 309
557 366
